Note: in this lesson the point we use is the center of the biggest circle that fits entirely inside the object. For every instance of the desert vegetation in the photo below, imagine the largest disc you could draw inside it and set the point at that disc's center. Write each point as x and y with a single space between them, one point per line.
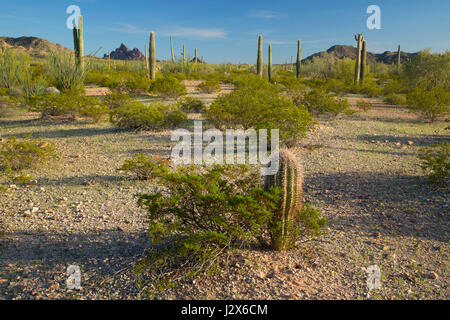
364 169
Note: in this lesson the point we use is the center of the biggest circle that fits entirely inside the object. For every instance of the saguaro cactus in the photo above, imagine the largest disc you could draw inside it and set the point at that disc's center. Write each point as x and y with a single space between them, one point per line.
359 39
299 58
171 49
184 53
78 42
260 61
399 59
290 179
270 63
363 61
195 59
152 57
109 59
146 59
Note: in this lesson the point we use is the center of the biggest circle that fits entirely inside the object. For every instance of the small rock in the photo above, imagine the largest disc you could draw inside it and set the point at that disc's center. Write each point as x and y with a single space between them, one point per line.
34 209
398 144
54 286
410 143
434 275
52 90
13 186
3 281
27 213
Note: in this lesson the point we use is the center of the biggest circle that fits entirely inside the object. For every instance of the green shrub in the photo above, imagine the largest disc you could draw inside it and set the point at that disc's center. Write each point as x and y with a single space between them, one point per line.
25 153
138 116
258 105
429 103
65 71
191 105
396 99
209 86
115 100
12 66
168 87
436 163
364 105
200 214
174 118
317 102
142 167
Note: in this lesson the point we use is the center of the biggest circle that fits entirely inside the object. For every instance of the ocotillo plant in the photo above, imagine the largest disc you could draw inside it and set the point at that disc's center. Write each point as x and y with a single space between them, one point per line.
289 178
171 49
152 56
270 63
399 58
260 61
359 39
363 61
299 58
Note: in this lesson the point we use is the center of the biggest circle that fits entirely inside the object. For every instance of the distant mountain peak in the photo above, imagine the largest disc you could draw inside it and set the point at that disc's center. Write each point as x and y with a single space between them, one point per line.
124 53
33 46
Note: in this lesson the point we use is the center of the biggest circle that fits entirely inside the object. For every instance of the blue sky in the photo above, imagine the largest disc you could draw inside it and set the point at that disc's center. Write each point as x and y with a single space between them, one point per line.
227 31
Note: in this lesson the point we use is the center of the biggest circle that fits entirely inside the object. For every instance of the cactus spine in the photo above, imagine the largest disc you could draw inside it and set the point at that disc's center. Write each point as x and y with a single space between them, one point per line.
171 49
260 61
399 59
359 39
270 63
299 58
363 61
152 57
290 179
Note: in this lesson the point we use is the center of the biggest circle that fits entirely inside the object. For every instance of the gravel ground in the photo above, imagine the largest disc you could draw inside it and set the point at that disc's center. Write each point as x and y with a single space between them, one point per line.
362 172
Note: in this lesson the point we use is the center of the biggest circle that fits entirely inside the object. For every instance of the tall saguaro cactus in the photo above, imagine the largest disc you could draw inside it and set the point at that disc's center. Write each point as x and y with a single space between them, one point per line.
299 58
152 56
290 179
78 42
260 61
399 59
363 61
359 39
171 49
195 59
270 63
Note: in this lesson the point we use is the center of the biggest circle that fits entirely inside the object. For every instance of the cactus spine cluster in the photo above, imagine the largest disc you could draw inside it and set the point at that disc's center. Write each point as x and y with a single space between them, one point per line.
78 42
363 61
171 49
290 179
359 39
152 57
299 58
399 58
270 63
260 61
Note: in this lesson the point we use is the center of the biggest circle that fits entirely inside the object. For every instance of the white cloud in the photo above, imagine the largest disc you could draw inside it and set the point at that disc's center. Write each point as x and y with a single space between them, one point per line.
199 33
265 14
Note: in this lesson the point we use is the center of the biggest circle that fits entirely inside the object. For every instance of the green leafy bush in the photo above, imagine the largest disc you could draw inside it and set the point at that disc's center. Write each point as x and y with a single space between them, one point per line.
142 167
431 103
24 153
318 101
12 66
191 105
168 87
258 105
396 99
65 72
436 163
209 86
174 117
115 100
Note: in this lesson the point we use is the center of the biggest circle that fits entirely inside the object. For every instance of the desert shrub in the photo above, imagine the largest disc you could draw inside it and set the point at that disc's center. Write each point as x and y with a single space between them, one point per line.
364 105
65 72
24 153
168 87
12 66
174 117
115 100
32 85
396 99
318 101
199 215
431 103
191 105
209 86
142 167
259 106
436 163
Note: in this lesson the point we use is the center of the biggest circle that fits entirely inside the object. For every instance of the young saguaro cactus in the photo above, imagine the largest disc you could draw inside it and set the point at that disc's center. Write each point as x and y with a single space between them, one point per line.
363 61
270 63
152 57
359 39
184 53
290 179
147 67
171 49
260 61
399 58
299 58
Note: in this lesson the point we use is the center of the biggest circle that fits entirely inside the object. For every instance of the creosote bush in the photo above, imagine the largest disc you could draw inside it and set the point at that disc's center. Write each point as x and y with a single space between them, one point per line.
191 105
431 103
436 163
364 105
209 86
17 154
318 101
143 167
168 87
